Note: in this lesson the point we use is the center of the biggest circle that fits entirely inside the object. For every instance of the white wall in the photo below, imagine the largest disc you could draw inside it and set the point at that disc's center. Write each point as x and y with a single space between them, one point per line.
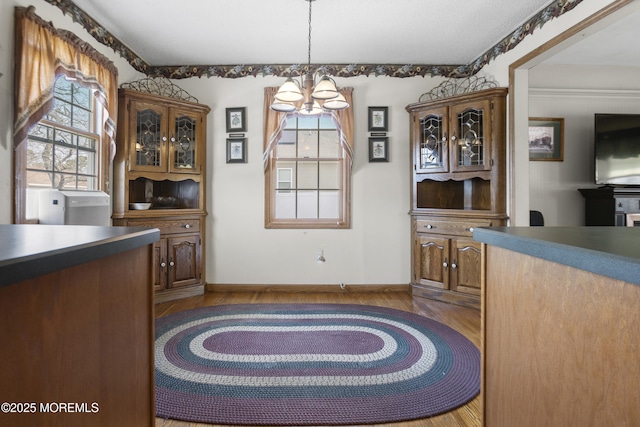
239 249
553 185
376 250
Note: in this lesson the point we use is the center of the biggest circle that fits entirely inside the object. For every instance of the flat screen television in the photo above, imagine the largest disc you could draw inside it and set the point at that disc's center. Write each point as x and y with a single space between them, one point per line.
617 149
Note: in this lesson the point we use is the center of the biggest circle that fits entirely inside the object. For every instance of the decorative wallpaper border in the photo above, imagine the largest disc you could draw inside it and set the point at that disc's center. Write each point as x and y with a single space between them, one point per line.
103 36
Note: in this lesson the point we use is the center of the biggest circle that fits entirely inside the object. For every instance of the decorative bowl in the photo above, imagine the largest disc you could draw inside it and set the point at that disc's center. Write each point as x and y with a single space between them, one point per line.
139 206
164 202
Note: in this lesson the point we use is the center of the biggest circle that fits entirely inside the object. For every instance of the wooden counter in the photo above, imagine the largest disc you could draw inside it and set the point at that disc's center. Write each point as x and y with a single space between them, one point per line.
560 322
76 326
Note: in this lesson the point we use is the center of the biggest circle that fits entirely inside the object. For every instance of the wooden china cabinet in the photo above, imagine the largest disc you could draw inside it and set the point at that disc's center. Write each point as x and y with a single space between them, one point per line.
159 181
458 150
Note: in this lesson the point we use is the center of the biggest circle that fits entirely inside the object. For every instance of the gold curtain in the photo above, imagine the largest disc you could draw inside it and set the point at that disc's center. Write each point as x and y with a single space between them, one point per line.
345 122
274 121
42 53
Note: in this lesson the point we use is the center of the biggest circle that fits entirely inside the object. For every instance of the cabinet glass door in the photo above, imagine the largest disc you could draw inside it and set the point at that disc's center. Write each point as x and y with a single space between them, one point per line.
183 142
148 149
469 139
432 150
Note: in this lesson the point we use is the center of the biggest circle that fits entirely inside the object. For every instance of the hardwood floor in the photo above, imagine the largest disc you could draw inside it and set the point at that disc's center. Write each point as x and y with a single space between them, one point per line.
464 320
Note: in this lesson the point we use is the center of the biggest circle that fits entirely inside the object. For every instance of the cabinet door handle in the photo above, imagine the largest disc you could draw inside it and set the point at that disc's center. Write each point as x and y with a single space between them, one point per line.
164 138
171 263
445 264
470 229
173 139
187 226
453 137
454 265
429 226
163 264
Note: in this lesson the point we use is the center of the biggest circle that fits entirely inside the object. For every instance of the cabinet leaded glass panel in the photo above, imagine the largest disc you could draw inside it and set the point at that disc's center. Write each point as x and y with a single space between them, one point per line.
184 143
433 142
471 138
148 138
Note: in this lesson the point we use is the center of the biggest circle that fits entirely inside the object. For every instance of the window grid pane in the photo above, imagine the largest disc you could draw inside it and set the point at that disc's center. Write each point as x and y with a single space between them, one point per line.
329 204
308 144
307 175
329 145
330 175
307 204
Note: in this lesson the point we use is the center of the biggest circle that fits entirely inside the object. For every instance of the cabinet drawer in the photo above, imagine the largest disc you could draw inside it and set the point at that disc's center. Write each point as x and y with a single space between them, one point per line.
458 228
168 226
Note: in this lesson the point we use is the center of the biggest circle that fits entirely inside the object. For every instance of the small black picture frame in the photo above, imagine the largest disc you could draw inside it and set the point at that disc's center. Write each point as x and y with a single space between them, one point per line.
378 119
237 150
236 119
379 149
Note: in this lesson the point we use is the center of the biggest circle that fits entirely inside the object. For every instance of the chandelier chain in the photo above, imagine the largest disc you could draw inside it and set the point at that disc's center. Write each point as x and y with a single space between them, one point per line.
308 98
309 49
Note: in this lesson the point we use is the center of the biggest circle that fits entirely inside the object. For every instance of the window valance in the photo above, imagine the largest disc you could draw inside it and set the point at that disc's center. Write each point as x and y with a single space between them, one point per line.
274 121
43 52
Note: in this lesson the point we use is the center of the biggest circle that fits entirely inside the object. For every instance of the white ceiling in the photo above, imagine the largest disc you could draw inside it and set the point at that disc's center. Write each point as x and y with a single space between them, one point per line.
223 32
436 32
613 41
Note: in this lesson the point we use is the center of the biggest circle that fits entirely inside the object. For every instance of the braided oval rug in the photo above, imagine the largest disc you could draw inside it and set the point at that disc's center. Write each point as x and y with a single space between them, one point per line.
309 364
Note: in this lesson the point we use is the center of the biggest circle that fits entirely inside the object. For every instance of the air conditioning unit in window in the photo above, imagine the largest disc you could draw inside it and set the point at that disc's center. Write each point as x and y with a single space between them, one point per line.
69 207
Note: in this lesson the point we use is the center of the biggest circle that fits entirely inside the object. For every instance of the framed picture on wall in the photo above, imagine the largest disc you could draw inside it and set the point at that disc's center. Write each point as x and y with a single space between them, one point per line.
378 119
236 119
237 150
379 149
546 139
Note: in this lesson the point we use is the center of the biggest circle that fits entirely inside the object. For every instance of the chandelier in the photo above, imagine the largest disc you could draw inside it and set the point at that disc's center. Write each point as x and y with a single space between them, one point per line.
306 97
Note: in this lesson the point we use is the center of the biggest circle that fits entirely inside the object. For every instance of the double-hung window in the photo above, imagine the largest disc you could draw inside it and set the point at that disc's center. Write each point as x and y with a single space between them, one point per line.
308 175
62 150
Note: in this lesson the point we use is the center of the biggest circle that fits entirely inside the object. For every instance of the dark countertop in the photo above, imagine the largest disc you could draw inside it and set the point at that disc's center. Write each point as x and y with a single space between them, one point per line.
28 251
609 251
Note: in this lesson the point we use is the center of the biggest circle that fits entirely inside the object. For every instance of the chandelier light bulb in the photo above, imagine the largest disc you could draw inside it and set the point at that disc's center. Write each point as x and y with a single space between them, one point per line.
283 106
337 103
310 109
289 91
325 89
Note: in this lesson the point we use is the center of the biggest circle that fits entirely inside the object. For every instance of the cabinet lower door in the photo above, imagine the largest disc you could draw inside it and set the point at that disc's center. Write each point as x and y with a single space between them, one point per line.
159 271
466 266
184 260
431 261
